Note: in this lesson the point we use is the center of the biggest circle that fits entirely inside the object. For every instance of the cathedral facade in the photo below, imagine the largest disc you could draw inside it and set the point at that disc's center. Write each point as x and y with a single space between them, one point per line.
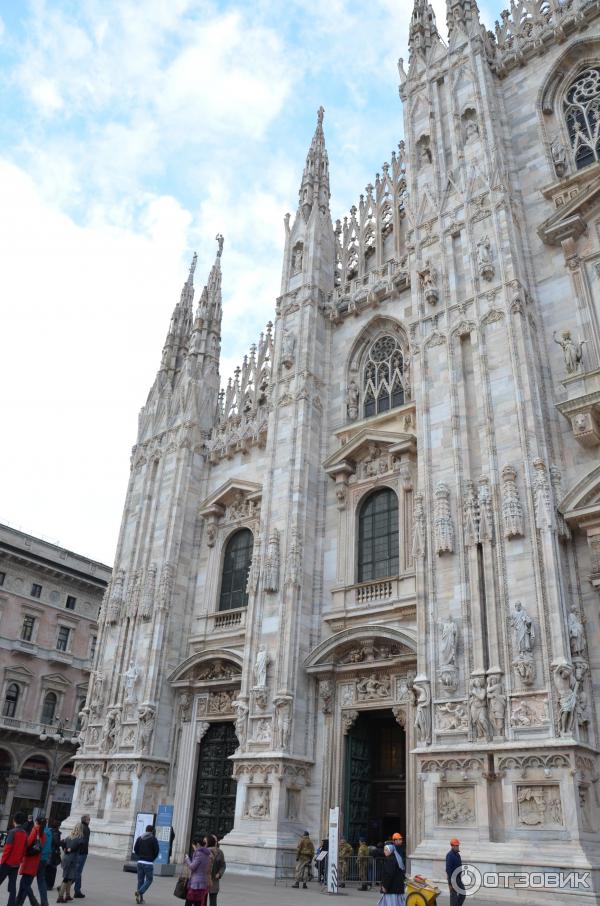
365 573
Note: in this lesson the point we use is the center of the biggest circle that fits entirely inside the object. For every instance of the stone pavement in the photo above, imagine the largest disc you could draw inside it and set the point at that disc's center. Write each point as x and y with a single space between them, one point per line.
106 882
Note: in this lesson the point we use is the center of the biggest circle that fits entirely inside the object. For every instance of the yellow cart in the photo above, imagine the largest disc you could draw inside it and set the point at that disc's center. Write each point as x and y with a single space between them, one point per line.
419 891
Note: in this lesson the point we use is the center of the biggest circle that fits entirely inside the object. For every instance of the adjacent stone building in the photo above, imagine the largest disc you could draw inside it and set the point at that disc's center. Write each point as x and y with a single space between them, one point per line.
49 603
365 573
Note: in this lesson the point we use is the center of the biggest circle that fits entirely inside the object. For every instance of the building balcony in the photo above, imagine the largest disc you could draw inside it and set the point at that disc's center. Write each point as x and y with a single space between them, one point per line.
23 647
395 594
21 726
60 657
582 406
222 624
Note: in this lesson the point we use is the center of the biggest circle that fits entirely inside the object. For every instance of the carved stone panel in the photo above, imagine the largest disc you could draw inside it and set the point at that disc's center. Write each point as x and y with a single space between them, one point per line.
539 805
456 805
451 716
530 711
122 797
258 802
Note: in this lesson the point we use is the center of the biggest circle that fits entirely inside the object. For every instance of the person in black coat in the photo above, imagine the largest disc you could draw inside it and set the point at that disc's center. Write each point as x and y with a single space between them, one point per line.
392 876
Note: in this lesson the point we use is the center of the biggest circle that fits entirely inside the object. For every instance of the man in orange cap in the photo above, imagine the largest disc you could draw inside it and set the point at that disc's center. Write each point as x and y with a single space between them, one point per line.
453 873
397 841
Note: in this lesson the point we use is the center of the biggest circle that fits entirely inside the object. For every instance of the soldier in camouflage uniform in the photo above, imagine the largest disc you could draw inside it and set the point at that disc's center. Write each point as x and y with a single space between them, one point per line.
345 852
363 863
304 856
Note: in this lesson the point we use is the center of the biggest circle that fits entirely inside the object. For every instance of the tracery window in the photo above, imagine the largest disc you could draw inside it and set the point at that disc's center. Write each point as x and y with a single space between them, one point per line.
378 536
236 563
382 380
582 112
10 701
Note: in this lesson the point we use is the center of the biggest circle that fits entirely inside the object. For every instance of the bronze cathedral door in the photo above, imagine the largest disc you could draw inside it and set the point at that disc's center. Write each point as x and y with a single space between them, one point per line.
214 802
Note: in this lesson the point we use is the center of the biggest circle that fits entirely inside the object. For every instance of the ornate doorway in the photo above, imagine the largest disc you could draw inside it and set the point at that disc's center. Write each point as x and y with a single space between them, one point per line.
214 802
375 778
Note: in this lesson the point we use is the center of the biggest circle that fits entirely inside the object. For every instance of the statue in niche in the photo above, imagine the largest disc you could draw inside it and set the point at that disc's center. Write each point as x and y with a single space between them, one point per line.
284 722
572 351
522 625
131 678
567 687
241 722
260 668
425 157
484 258
559 157
352 397
576 633
263 731
480 722
297 257
471 130
288 343
448 641
496 702
145 728
422 699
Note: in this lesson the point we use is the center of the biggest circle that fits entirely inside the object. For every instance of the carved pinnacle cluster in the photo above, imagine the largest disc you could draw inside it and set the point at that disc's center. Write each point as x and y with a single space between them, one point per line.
315 179
423 29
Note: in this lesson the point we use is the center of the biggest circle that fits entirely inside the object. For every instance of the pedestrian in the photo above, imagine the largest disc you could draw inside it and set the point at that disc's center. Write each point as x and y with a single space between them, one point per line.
305 852
71 846
322 863
146 849
392 878
218 867
82 857
55 858
43 867
31 862
378 858
200 869
345 852
29 824
12 856
454 874
397 841
363 863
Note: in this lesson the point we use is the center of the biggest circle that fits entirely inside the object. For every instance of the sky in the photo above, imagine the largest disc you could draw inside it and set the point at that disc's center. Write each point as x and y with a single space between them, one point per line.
131 133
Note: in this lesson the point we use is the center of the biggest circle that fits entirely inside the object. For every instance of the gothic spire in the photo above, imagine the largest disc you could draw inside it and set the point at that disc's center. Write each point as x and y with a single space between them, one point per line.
423 29
206 332
462 15
315 179
181 323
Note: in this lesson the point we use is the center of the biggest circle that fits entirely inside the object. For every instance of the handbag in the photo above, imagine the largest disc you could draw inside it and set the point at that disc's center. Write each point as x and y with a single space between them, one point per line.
35 849
181 888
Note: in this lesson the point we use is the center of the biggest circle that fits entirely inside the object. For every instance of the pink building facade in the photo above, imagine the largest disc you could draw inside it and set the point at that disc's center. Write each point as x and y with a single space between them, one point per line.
49 603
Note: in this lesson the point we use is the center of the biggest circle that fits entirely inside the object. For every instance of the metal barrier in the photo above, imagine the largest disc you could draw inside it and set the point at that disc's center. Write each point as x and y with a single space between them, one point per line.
352 872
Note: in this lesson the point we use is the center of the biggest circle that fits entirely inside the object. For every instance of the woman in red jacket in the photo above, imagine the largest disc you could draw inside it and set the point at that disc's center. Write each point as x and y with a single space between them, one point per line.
31 862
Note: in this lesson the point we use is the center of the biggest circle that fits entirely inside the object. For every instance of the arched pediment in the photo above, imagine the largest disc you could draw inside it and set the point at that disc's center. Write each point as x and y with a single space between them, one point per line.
583 500
361 646
212 666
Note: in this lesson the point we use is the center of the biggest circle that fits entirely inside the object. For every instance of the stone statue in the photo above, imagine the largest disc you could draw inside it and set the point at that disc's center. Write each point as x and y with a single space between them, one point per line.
145 728
260 668
263 731
284 722
559 157
84 719
566 687
271 572
297 260
572 351
422 699
484 258
131 678
110 731
98 692
576 633
471 131
288 343
448 641
424 154
241 722
480 723
496 702
522 625
352 396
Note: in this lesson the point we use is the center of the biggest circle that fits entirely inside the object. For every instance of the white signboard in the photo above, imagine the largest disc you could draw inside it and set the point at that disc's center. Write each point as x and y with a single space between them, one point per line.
332 877
141 823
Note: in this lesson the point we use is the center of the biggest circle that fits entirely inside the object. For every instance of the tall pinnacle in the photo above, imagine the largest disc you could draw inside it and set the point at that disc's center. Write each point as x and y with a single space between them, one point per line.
315 179
423 29
461 14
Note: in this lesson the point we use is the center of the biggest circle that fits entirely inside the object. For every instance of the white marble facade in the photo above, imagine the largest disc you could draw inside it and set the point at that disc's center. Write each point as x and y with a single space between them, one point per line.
470 269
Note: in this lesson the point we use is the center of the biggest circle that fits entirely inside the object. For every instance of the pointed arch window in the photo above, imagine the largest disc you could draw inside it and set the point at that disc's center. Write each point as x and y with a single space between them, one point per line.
383 385
582 113
11 700
378 536
236 564
49 708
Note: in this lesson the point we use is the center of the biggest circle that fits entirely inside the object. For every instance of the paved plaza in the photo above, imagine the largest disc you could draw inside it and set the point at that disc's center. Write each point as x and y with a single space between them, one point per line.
105 880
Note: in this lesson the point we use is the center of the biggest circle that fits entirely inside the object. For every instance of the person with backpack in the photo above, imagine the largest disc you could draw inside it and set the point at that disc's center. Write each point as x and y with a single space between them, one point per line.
31 862
12 856
41 872
146 849
218 867
55 858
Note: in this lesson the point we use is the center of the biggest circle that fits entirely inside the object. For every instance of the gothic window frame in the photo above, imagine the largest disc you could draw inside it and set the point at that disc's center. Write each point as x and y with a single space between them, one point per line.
393 558
579 103
48 717
227 541
373 400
